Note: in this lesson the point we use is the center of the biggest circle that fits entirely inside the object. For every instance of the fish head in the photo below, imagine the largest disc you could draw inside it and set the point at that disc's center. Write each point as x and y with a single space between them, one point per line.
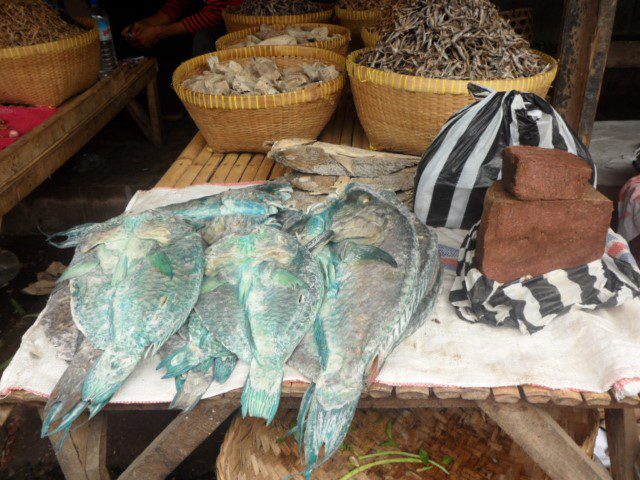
360 216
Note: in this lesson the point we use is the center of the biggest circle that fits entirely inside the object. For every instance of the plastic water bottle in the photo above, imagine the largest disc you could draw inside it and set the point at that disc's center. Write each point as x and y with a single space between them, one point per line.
108 59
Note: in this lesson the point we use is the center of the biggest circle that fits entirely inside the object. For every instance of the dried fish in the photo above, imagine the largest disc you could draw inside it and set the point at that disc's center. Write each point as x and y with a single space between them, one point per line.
363 4
325 184
278 7
259 76
453 39
29 22
293 35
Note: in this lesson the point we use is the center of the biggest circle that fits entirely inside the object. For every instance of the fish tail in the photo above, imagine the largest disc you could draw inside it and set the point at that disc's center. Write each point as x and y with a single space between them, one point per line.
107 375
191 387
180 362
71 237
261 395
326 427
223 367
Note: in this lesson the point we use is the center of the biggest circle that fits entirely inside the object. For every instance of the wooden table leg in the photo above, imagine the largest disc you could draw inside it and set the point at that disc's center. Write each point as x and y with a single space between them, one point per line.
181 437
82 456
622 434
153 102
544 441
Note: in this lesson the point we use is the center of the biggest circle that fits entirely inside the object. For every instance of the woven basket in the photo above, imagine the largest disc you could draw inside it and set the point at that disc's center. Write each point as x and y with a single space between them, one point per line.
237 21
245 122
49 73
404 113
480 449
339 45
356 20
521 19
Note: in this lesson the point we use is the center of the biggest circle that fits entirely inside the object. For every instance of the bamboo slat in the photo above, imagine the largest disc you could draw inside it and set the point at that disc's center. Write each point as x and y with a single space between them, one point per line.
220 175
208 170
192 171
535 394
252 168
506 394
238 168
597 399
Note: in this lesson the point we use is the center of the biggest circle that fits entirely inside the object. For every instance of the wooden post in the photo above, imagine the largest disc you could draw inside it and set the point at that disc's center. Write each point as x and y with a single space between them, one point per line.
622 434
544 441
153 102
586 35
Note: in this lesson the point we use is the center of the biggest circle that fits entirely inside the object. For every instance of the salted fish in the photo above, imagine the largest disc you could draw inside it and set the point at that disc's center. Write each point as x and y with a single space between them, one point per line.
313 157
402 180
133 281
374 262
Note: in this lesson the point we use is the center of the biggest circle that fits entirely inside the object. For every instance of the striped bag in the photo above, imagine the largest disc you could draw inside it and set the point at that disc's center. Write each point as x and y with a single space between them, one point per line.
466 156
531 303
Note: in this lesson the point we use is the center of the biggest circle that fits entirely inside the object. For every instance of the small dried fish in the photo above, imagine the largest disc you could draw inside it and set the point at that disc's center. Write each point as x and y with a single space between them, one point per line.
363 4
326 184
278 7
310 156
259 76
454 39
293 35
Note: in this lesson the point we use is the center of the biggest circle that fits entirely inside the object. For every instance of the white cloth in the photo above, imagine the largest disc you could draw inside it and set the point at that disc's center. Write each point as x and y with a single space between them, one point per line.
589 351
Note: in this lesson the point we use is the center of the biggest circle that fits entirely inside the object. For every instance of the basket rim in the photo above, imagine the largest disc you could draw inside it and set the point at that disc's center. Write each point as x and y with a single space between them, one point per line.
228 12
74 41
415 83
222 43
259 102
348 14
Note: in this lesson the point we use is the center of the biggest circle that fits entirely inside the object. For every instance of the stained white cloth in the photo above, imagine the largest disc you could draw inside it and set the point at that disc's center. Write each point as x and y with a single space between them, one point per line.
585 350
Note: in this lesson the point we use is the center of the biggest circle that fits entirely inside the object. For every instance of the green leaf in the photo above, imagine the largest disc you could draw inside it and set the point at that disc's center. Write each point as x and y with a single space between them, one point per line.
447 460
389 443
17 308
368 466
424 456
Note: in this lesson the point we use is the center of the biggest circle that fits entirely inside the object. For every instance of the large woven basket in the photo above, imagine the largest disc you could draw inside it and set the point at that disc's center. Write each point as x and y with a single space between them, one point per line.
480 449
339 45
245 122
404 113
49 73
356 20
521 19
236 21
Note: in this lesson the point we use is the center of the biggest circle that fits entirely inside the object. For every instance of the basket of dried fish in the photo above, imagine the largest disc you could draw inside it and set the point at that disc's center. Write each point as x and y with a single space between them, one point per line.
416 77
327 36
459 444
273 12
44 59
242 98
359 14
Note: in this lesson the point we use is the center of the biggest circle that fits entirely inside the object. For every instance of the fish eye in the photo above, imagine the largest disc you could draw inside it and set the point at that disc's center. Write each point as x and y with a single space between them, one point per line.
301 299
364 199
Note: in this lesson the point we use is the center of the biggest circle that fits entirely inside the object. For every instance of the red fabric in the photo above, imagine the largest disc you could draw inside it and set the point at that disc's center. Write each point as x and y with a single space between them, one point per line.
23 120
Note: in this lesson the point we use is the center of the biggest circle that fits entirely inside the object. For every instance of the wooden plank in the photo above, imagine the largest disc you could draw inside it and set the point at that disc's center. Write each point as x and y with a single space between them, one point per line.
597 399
28 162
360 139
252 168
264 170
224 168
191 172
622 435
445 393
238 168
506 394
277 171
537 395
333 130
346 134
566 397
413 392
208 169
378 390
544 441
178 440
631 401
624 54
174 173
96 452
475 393
143 121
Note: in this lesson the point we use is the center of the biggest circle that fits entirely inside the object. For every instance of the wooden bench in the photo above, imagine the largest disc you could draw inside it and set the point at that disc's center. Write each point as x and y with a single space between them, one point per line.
28 162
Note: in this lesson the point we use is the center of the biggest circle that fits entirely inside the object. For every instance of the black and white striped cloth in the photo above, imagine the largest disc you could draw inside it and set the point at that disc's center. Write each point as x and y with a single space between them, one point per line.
531 303
466 157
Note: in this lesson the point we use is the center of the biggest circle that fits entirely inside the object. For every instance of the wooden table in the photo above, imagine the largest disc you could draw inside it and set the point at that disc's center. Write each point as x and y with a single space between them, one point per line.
519 410
34 157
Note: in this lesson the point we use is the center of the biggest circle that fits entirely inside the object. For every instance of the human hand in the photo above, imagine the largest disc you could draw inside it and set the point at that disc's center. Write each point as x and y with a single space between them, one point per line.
144 36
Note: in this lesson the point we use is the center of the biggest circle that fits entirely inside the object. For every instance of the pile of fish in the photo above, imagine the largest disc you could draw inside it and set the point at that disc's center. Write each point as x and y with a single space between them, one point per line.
360 5
244 275
270 8
292 35
320 169
258 76
453 39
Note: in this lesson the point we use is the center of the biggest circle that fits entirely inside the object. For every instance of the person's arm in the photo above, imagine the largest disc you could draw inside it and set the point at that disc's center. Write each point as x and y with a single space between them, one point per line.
209 16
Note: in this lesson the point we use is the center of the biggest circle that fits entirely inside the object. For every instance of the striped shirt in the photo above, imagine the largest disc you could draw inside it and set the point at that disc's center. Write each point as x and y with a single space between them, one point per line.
210 15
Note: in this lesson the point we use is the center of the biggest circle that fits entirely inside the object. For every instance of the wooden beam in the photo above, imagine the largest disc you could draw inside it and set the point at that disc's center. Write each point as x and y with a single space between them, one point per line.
153 103
544 441
624 55
178 440
622 434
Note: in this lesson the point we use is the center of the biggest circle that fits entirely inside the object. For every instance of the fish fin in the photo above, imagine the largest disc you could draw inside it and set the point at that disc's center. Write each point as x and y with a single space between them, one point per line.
78 270
120 271
302 416
261 395
287 279
325 427
224 367
355 252
180 362
73 236
244 286
209 284
107 375
191 388
161 262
